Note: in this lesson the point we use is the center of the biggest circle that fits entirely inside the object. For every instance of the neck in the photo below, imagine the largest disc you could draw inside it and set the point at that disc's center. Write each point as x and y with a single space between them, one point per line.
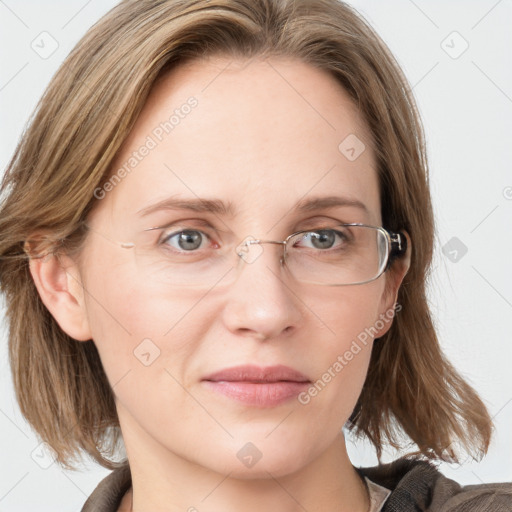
164 481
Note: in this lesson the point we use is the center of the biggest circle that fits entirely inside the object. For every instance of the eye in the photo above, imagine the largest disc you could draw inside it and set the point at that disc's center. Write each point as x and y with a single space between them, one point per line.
324 238
188 240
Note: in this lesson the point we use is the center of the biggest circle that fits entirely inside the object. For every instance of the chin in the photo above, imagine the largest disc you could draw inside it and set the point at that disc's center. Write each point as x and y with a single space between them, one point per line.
255 460
261 470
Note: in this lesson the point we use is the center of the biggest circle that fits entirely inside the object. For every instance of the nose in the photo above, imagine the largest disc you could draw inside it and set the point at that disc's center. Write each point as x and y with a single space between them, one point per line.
261 302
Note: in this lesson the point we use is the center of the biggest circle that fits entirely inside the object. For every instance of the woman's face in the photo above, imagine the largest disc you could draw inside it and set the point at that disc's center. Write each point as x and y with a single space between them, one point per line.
261 135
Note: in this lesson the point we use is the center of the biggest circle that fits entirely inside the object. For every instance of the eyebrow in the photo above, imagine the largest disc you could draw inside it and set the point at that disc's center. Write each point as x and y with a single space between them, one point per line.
219 207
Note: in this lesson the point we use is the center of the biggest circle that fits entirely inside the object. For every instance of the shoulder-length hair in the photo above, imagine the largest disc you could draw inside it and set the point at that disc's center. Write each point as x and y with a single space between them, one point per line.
66 152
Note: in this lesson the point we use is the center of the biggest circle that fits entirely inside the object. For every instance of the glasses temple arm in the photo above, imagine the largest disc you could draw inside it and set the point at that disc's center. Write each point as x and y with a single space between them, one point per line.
398 247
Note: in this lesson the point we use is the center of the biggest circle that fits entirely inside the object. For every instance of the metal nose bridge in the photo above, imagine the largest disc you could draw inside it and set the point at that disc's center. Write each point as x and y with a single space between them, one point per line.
251 242
265 242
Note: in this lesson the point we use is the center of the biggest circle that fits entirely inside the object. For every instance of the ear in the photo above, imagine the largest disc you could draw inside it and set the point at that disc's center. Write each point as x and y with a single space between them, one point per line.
58 282
394 277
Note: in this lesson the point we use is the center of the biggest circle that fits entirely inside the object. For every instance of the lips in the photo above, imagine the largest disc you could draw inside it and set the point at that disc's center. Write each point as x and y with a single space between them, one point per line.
256 374
258 387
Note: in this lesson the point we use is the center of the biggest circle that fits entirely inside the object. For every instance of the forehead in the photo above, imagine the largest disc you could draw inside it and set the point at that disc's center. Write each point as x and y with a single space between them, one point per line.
261 134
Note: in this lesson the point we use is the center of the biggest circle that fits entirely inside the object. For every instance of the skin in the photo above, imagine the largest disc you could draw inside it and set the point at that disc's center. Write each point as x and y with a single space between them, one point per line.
264 135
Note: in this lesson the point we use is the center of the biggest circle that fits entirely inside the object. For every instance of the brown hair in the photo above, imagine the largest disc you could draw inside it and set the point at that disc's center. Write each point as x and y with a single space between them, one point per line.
79 125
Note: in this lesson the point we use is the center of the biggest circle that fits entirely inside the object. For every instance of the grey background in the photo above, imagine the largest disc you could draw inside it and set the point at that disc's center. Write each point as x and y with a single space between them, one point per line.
465 99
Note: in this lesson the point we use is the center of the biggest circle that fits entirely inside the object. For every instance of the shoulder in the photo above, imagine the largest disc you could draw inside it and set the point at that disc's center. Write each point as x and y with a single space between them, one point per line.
490 497
109 493
417 485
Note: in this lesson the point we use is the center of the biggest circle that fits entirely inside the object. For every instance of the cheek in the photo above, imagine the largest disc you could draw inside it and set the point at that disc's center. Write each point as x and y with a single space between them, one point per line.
134 324
344 343
348 313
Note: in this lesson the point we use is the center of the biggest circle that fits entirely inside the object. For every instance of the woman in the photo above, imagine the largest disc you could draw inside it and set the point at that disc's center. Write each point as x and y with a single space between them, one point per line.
219 225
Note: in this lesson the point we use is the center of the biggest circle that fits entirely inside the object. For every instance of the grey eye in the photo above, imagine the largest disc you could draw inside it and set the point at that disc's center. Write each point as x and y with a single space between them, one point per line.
188 240
322 238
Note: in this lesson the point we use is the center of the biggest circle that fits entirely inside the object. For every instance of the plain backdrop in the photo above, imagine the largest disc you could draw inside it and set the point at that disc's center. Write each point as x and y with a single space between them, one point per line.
457 57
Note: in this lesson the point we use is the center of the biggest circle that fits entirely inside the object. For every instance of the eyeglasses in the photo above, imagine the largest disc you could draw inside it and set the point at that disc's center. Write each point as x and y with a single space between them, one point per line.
340 255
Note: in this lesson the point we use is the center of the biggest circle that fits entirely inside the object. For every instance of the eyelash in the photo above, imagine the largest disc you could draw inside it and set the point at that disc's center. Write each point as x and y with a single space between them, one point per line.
176 228
168 236
173 230
203 223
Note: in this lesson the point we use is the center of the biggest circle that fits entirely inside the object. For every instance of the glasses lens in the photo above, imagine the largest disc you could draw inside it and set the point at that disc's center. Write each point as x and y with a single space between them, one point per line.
337 256
184 258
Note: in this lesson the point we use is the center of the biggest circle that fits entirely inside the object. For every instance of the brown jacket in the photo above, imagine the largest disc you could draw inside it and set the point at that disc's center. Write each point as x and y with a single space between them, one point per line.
416 486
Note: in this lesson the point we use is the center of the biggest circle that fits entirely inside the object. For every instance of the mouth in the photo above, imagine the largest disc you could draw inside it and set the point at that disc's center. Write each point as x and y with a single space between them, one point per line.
257 386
